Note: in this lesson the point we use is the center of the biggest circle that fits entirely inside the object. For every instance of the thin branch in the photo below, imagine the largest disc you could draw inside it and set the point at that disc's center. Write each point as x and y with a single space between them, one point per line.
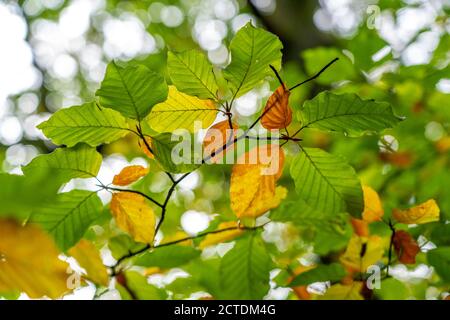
133 191
200 235
316 75
278 76
391 243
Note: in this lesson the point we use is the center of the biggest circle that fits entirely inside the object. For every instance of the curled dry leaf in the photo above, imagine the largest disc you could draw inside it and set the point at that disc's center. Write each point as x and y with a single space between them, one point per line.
214 238
29 262
134 215
406 247
88 257
129 175
423 213
277 114
216 137
253 188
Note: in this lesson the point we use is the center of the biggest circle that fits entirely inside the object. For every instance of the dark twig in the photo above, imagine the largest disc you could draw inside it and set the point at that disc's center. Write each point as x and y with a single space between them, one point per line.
316 75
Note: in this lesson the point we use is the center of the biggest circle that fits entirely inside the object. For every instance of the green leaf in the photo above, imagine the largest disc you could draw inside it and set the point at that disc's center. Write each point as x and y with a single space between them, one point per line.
392 289
131 90
168 257
245 270
346 113
181 111
333 272
36 187
183 158
439 258
192 73
141 289
326 182
69 216
69 163
252 51
87 123
122 245
440 235
316 58
327 232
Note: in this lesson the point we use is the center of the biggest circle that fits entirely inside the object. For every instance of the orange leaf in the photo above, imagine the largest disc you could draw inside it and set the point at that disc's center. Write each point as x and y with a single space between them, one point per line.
277 114
133 215
253 188
360 227
422 213
373 210
216 137
145 149
129 175
405 247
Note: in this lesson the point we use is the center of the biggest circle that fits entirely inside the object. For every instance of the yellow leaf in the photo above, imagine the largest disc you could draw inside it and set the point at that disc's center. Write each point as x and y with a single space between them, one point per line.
362 252
181 111
88 258
343 292
253 188
29 262
277 113
373 210
129 175
423 213
215 238
134 215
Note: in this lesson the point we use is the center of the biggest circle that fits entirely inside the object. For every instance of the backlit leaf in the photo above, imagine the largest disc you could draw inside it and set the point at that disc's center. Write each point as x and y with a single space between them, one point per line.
29 262
253 188
87 123
69 163
130 174
277 114
131 90
134 215
253 50
88 256
439 258
69 216
216 137
422 213
168 257
181 111
332 272
362 252
192 73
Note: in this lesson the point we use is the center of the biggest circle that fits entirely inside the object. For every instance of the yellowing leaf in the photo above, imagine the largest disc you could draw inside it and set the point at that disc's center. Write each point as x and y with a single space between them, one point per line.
277 114
344 292
362 252
88 258
129 175
360 227
216 137
181 111
301 291
215 238
253 188
423 213
29 262
373 210
134 215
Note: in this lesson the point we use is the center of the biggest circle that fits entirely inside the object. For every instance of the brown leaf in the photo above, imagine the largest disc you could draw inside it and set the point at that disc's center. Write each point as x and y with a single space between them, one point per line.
277 113
405 247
